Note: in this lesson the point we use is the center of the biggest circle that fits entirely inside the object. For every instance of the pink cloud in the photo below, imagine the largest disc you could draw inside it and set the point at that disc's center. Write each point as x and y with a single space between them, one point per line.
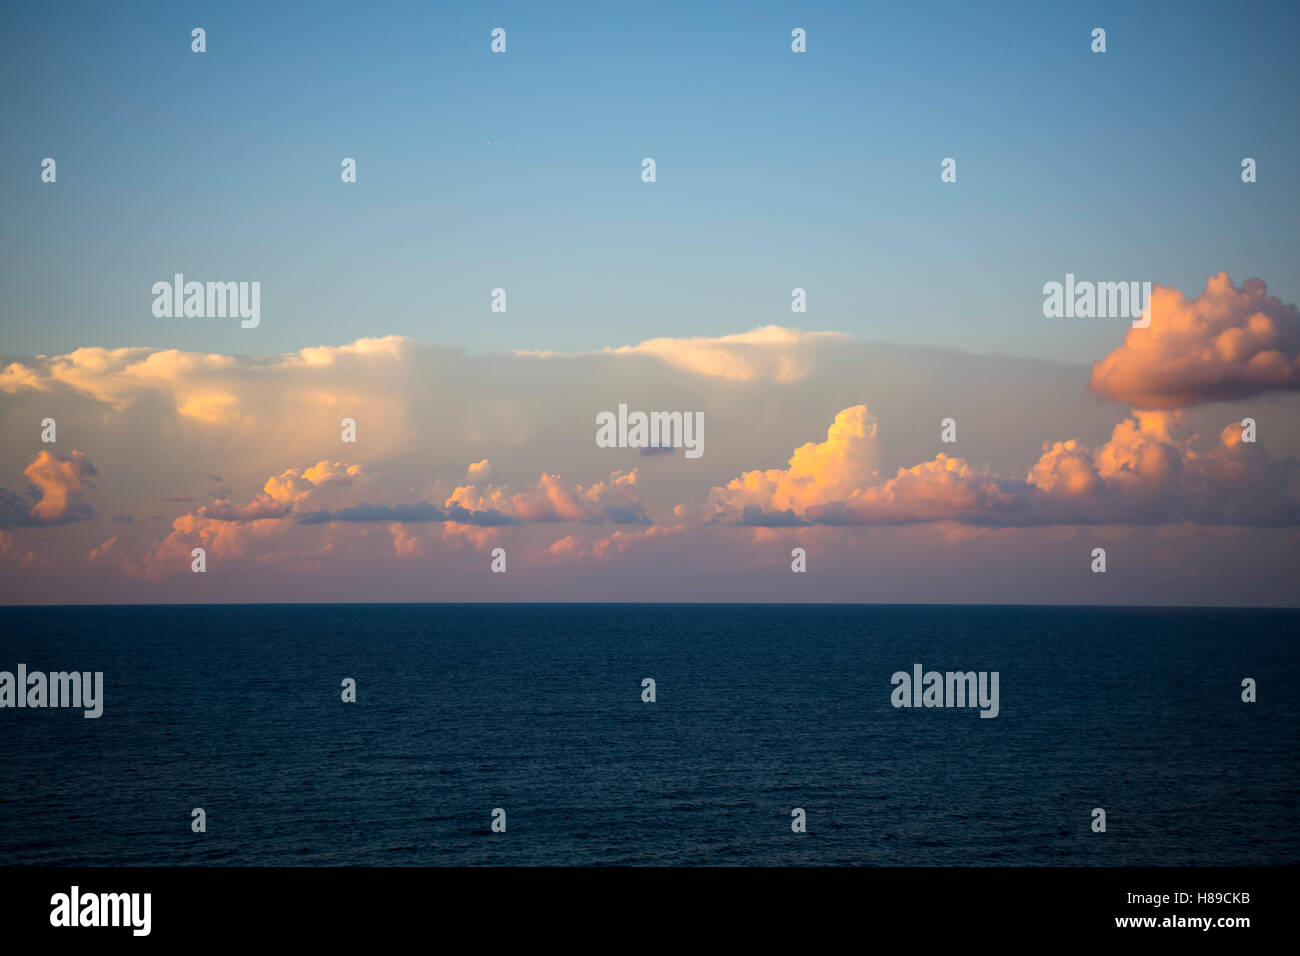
405 544
571 547
61 482
819 472
113 553
1149 472
1225 343
551 498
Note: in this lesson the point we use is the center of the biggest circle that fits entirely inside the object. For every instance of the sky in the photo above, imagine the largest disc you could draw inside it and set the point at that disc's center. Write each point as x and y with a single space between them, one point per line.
775 170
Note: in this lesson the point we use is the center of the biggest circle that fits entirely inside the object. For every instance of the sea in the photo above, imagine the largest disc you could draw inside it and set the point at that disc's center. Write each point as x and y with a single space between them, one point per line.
534 716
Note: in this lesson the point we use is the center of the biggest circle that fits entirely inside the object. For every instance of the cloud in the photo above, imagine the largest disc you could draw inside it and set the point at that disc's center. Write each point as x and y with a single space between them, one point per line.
274 404
14 509
287 493
294 486
476 537
1226 343
58 484
405 544
324 494
943 489
772 353
570 546
113 553
1149 472
573 548
16 377
10 548
389 349
755 517
625 514
404 502
551 498
116 376
261 527
61 482
819 473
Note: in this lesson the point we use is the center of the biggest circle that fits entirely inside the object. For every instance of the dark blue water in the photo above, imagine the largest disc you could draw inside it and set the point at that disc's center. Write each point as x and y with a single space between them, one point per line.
537 710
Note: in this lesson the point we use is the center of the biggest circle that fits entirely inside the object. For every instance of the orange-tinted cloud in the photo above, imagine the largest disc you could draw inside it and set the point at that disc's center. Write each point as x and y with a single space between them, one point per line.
1149 472
405 543
113 553
1226 343
573 548
58 484
551 498
290 492
819 473
937 490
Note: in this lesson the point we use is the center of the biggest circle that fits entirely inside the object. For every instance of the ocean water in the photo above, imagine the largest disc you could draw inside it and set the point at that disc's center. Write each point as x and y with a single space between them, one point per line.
760 709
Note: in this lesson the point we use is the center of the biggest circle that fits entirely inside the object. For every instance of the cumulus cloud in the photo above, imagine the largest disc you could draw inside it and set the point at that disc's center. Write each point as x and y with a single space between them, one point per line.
61 482
228 528
324 495
290 492
1149 472
57 495
294 486
405 544
943 489
819 472
551 498
1223 344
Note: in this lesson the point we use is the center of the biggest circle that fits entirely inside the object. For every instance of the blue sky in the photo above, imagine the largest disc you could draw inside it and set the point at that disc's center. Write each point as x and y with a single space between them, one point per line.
775 170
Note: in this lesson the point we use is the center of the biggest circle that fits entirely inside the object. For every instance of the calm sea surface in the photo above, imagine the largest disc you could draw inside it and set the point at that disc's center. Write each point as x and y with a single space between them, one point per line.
537 709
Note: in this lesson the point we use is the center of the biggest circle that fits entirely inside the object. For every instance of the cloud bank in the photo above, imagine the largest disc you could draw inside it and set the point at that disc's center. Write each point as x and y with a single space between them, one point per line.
814 438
